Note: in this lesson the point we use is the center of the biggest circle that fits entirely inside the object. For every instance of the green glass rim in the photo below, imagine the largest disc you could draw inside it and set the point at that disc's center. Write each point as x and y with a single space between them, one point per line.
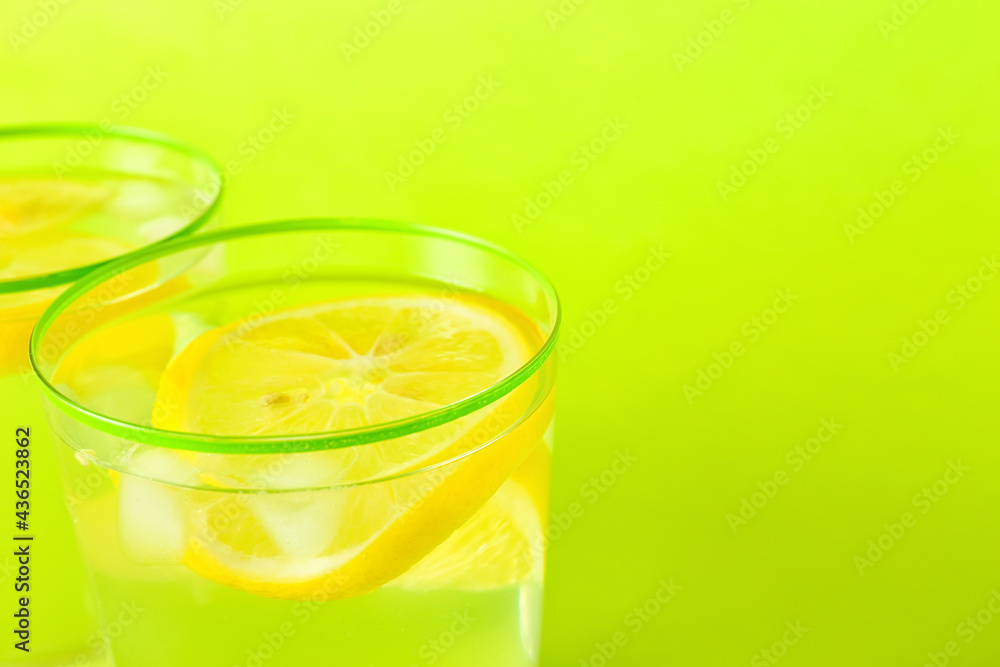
70 130
288 444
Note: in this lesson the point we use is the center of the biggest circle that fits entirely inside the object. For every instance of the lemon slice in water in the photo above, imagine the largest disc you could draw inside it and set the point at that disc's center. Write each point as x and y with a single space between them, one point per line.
339 365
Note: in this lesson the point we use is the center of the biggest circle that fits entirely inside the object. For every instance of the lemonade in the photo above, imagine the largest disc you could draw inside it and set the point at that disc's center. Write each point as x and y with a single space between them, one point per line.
312 449
52 230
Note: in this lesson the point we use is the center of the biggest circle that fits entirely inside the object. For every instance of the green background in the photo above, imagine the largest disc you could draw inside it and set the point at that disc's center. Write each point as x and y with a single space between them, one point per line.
689 115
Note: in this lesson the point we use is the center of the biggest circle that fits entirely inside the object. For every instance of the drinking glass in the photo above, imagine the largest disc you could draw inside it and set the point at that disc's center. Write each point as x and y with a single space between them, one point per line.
385 538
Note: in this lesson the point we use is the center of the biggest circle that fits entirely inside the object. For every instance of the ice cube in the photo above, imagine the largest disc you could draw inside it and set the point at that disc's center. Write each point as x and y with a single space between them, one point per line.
301 524
153 524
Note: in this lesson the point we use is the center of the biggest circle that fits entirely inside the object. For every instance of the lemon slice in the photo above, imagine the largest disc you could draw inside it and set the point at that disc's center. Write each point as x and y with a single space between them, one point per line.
115 371
33 204
500 545
333 366
36 234
40 253
503 544
35 239
336 366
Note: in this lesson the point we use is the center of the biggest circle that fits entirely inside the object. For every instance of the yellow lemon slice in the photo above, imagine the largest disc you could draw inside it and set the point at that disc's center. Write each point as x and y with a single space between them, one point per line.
332 366
35 239
32 204
503 544
115 371
36 234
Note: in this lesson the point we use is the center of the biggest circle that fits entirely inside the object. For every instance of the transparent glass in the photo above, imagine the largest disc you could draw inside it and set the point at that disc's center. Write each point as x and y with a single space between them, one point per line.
310 548
72 197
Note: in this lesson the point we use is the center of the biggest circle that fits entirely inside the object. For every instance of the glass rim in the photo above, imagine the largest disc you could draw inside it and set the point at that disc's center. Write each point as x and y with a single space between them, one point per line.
293 443
138 135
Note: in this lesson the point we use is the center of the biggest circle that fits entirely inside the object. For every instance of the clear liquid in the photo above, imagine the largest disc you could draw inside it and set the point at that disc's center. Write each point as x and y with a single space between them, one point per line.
163 616
62 607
